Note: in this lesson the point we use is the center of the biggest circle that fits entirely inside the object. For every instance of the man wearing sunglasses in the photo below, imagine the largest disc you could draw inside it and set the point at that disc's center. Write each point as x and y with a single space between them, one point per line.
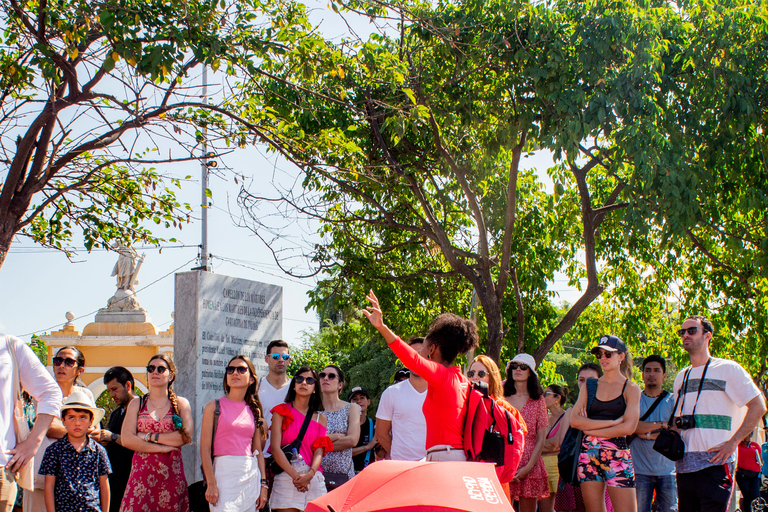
719 406
273 388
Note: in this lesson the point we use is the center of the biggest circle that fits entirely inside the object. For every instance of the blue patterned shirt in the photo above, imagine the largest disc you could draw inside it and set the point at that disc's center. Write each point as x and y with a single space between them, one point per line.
77 474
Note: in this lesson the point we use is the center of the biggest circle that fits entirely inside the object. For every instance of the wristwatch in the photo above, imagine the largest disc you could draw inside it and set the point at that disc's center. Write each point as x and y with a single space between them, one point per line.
114 437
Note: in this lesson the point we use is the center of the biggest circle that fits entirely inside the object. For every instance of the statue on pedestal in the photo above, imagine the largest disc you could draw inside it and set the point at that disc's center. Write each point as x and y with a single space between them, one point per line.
127 267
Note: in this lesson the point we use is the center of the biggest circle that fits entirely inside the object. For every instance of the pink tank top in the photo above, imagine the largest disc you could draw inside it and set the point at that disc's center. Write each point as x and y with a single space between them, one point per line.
234 432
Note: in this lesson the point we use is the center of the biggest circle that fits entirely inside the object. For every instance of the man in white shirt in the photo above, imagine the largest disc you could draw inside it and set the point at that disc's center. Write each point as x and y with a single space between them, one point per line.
719 406
400 426
38 383
273 388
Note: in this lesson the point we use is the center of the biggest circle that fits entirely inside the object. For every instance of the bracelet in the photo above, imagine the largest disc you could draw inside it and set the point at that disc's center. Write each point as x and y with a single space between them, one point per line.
264 481
157 437
146 437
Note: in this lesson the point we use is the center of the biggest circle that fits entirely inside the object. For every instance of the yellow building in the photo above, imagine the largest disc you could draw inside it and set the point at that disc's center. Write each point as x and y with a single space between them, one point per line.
121 335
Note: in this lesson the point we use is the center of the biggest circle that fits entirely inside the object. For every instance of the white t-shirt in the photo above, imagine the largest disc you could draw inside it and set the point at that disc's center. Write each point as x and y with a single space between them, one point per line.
719 412
402 405
37 381
269 398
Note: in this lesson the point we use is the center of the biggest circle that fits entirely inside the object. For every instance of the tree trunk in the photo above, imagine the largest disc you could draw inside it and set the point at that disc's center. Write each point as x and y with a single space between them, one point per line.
494 321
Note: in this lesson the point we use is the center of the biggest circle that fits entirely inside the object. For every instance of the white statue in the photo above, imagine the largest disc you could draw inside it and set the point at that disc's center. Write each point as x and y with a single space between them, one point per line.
127 267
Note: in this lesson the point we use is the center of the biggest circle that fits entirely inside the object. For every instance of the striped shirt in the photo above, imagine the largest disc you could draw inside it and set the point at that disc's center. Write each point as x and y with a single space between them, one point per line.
719 413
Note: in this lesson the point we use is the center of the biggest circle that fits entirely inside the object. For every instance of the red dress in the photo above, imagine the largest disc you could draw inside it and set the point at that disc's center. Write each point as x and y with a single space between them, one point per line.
535 484
157 482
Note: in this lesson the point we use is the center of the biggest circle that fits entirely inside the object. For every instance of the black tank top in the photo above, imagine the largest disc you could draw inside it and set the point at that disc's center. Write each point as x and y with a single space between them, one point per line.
610 410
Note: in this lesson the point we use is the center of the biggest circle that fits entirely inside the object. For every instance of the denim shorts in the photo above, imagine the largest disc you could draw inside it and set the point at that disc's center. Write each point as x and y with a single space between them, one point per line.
606 460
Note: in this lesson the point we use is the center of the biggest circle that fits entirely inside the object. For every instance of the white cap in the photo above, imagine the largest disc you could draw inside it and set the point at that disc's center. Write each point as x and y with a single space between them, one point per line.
526 359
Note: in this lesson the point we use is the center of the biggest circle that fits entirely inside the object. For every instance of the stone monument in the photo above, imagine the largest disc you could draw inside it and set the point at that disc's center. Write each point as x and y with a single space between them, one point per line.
218 317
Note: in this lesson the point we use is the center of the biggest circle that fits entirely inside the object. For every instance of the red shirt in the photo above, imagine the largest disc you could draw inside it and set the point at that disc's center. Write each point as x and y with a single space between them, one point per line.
444 406
748 456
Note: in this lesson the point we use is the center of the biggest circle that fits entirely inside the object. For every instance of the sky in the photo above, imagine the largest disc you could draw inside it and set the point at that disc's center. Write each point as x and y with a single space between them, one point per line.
39 286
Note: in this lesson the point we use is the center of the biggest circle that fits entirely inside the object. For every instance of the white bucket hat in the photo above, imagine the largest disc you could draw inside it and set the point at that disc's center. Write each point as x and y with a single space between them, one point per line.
80 400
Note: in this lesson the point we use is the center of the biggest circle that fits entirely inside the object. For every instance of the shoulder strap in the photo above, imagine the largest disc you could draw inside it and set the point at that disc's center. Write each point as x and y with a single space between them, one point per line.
591 392
143 401
655 404
216 414
304 426
701 384
680 391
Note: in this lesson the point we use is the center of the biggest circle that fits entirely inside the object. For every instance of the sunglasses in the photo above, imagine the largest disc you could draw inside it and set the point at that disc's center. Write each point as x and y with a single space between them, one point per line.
690 330
276 357
68 362
480 373
550 393
515 366
300 380
160 369
242 370
606 355
329 376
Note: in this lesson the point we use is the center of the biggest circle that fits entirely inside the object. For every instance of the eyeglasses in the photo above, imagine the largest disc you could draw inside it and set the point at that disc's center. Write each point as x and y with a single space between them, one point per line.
160 369
690 330
300 380
68 362
606 355
480 373
276 357
514 366
329 376
242 370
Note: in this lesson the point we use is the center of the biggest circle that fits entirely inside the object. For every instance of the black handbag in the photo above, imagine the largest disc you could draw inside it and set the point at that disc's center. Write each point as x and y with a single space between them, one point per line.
568 458
290 447
197 501
669 442
334 480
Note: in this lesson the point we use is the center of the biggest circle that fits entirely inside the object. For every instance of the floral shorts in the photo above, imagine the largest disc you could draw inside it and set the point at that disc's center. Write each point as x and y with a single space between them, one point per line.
606 460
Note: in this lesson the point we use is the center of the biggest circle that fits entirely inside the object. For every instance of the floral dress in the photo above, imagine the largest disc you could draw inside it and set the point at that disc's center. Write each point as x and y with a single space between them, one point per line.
157 482
338 462
535 484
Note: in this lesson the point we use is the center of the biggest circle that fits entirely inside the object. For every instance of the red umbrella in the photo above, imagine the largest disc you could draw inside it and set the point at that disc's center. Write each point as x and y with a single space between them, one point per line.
418 486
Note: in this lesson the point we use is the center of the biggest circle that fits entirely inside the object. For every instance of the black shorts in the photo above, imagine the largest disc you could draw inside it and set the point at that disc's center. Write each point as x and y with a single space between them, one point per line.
706 490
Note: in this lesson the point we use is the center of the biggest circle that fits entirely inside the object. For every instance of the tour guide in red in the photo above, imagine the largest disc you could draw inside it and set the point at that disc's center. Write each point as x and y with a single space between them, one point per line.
449 335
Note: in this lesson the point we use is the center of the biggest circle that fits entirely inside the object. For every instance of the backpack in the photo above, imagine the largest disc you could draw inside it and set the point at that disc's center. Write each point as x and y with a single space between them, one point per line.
491 433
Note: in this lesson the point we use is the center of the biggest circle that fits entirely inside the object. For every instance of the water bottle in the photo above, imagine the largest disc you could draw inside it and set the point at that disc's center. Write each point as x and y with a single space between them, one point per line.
298 463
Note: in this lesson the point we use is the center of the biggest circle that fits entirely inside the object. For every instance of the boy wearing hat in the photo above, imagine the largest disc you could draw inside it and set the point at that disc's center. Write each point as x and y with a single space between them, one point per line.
75 466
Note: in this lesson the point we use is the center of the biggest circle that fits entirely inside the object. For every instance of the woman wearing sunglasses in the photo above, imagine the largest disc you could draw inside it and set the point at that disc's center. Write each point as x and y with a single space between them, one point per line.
484 369
343 420
68 365
523 390
230 446
297 486
605 459
156 426
449 335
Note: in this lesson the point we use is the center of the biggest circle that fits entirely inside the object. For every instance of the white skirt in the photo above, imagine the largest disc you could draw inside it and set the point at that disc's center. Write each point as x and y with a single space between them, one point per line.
285 494
239 482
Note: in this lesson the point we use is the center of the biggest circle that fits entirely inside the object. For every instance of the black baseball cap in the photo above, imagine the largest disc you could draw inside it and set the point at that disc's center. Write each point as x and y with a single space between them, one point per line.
402 373
611 344
358 390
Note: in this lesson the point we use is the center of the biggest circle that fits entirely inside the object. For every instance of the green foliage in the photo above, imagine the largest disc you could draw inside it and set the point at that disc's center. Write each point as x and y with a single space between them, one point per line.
87 84
40 349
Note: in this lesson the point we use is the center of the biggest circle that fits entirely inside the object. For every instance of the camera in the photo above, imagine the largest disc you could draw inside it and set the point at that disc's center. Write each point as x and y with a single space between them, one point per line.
685 422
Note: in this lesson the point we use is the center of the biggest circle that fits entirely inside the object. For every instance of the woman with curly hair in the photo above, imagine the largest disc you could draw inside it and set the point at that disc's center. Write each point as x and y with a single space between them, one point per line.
156 426
449 335
230 446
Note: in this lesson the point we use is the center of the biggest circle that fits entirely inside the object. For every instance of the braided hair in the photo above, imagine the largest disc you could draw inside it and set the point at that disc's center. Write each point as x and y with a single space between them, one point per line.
251 395
172 394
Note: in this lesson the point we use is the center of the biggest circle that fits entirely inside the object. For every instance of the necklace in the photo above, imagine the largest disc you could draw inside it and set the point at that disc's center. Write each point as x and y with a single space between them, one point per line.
649 396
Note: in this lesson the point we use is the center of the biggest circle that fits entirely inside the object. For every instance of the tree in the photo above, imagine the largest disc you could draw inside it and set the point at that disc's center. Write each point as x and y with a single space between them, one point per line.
91 91
411 149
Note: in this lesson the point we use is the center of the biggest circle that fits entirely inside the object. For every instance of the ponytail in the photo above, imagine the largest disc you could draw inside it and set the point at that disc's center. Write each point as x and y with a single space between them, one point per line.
626 366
